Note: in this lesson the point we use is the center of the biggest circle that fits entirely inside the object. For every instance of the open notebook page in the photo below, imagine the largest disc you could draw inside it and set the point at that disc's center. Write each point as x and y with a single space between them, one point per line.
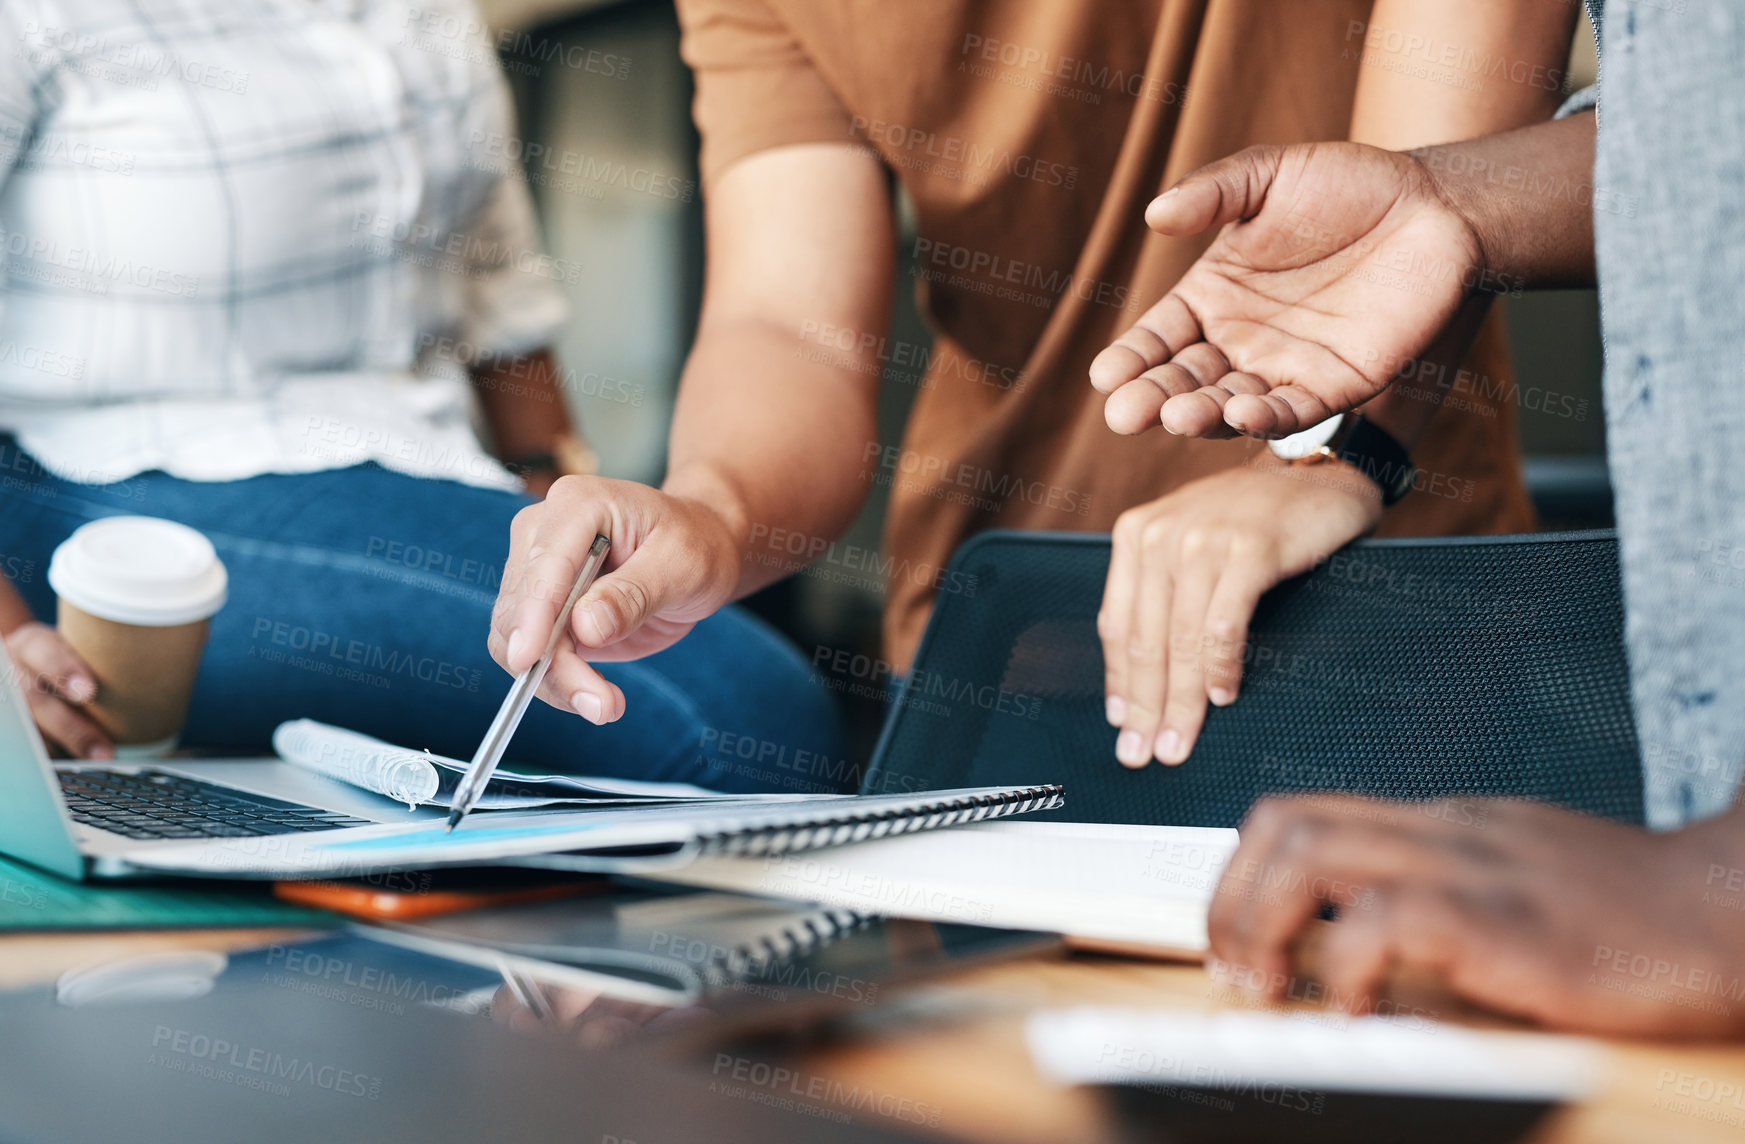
1122 886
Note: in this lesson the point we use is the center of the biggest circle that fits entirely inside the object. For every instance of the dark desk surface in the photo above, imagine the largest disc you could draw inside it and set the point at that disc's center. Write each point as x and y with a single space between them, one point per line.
965 1060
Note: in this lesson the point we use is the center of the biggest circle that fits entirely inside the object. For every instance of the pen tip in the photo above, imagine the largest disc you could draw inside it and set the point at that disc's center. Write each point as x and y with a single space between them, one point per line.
453 821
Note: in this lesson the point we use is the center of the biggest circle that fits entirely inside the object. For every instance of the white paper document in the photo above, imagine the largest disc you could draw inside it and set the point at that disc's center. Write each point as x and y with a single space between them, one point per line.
1146 886
422 778
1236 1051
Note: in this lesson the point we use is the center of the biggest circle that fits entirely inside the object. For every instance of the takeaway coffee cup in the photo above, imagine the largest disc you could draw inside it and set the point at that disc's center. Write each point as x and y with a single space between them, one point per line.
137 595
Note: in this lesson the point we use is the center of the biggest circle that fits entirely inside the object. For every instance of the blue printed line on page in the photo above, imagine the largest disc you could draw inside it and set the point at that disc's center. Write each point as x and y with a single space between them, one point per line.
438 836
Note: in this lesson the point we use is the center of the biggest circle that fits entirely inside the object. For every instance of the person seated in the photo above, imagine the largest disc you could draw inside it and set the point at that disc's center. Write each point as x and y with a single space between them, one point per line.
264 271
1288 318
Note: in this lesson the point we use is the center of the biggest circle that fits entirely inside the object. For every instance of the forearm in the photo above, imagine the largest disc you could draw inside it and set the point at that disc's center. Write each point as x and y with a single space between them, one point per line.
1485 66
780 395
521 398
1432 72
772 441
1529 196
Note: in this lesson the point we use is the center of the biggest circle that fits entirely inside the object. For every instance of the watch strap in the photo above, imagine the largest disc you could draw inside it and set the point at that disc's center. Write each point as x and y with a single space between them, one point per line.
1378 455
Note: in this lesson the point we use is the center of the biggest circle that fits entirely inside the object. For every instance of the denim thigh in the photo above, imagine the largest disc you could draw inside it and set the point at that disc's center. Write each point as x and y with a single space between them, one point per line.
362 597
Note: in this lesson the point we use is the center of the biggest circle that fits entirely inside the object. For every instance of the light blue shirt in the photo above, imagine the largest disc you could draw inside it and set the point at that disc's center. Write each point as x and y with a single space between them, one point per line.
1669 221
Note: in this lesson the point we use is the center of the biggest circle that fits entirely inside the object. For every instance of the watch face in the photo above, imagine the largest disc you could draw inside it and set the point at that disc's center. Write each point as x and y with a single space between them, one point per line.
1301 444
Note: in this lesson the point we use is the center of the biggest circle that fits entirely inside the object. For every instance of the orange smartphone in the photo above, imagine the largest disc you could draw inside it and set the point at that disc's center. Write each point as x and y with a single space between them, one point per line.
427 893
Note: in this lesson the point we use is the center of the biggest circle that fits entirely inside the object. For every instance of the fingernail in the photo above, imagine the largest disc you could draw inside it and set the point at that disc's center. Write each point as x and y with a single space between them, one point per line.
1171 193
1130 749
1115 710
102 753
516 640
1222 696
588 706
1169 748
601 617
81 690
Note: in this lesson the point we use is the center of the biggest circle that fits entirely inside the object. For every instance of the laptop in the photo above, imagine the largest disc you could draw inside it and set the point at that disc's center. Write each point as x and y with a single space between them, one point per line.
264 818
96 820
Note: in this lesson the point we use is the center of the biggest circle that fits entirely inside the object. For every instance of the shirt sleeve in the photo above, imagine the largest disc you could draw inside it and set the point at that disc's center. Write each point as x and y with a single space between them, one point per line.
29 57
757 87
515 300
1588 98
1584 100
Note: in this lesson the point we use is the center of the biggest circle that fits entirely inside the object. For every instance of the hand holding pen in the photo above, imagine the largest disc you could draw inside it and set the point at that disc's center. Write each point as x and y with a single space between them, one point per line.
672 562
515 704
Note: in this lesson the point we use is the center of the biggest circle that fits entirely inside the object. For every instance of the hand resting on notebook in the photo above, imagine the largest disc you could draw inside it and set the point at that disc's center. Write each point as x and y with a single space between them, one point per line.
1576 922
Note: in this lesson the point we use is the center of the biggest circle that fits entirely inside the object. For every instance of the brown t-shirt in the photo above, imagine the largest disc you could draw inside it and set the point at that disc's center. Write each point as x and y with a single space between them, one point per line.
1030 135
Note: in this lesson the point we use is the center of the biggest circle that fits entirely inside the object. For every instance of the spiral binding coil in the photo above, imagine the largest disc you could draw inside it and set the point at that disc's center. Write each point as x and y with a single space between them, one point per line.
797 939
857 827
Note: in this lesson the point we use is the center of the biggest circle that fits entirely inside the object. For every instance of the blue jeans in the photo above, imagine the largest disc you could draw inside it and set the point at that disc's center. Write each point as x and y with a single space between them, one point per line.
362 597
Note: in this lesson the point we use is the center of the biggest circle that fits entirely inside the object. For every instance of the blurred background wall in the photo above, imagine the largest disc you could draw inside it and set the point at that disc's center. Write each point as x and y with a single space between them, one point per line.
610 153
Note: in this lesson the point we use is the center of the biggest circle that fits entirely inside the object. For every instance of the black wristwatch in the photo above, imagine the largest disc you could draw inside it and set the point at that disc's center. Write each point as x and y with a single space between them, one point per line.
1359 442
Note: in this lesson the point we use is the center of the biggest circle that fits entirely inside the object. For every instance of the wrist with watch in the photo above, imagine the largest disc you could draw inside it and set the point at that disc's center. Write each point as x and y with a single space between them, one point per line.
1360 443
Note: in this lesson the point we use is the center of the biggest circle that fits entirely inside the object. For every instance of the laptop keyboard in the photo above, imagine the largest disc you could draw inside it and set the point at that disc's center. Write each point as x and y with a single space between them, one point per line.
152 804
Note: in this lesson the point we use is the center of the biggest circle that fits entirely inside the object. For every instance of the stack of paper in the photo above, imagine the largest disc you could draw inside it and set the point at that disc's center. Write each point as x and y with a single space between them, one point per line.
1137 888
1238 1050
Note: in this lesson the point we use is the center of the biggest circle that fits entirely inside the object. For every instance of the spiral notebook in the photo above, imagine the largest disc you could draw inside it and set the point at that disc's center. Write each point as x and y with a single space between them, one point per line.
650 946
1124 888
617 839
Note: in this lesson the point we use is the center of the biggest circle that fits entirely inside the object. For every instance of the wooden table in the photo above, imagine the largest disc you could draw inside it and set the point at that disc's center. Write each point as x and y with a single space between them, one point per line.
955 1046
978 1073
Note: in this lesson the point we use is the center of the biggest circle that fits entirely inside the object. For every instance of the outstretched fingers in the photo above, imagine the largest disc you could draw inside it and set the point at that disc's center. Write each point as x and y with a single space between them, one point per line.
1160 333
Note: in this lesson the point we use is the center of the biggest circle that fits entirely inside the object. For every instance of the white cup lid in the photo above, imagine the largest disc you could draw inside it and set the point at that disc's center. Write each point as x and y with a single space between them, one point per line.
139 570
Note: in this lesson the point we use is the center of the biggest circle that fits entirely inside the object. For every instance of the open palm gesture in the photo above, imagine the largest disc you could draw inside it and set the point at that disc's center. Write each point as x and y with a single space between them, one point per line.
1338 263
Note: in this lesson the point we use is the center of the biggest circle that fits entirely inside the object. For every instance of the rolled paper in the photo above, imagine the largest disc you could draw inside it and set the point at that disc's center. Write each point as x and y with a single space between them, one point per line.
400 774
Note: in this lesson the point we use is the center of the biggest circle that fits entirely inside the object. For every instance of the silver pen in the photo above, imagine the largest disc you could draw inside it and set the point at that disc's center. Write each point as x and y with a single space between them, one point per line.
521 692
525 990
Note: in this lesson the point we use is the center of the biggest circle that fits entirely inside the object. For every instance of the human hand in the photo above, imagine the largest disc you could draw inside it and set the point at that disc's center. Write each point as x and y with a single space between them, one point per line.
1576 922
1185 575
673 561
1336 263
56 684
